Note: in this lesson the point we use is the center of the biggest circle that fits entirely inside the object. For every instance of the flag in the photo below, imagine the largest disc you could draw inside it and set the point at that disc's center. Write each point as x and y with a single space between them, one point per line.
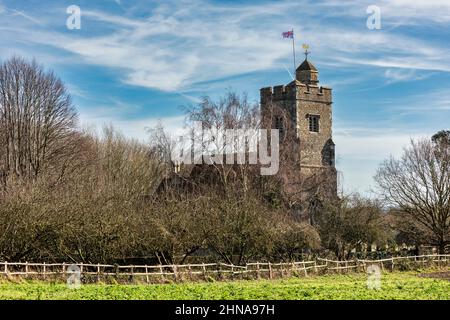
288 34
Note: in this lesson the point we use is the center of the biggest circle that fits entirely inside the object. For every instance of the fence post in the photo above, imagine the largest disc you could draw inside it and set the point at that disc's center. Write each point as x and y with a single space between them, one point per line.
270 270
26 268
44 271
81 269
146 274
116 271
392 264
161 272
98 272
257 271
174 267
132 274
6 268
204 270
315 266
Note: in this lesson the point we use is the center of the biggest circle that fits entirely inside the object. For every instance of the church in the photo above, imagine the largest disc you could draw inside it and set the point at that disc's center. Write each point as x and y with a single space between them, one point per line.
302 113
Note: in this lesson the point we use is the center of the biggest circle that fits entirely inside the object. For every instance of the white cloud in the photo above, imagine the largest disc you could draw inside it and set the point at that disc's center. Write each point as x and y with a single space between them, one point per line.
116 20
394 75
432 10
394 12
181 44
360 151
135 128
422 103
374 146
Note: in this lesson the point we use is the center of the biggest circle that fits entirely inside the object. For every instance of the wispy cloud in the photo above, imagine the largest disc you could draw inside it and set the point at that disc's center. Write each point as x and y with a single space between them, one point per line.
181 44
15 12
434 101
396 75
137 129
395 13
360 152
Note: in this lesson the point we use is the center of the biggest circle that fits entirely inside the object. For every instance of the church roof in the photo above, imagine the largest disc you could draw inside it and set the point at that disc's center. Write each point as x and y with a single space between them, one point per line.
306 66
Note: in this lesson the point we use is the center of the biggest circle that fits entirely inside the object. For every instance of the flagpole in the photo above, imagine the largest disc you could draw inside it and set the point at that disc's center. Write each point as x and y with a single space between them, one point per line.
293 48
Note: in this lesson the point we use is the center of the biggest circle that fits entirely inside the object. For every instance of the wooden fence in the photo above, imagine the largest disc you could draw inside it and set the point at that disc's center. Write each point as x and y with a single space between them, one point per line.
161 273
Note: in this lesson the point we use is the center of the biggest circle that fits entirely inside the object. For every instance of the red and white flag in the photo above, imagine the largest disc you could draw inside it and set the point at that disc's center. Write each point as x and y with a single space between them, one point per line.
288 34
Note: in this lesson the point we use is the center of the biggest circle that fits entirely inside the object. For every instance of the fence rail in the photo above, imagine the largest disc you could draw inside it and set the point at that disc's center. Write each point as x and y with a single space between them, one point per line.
180 272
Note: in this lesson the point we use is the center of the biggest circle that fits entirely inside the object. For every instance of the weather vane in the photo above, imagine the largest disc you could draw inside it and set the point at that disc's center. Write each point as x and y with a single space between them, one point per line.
306 47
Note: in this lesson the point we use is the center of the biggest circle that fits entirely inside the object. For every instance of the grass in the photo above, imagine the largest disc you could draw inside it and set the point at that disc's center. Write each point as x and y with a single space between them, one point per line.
397 285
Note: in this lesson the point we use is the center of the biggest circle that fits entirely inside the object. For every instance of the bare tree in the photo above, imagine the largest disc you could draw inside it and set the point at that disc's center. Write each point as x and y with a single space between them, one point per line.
37 119
418 184
349 223
230 112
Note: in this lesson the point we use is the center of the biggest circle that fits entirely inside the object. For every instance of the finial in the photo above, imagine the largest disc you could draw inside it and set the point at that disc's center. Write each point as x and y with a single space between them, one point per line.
306 47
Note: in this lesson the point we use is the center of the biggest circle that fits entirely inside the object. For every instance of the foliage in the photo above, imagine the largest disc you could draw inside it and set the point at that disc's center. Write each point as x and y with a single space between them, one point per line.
404 286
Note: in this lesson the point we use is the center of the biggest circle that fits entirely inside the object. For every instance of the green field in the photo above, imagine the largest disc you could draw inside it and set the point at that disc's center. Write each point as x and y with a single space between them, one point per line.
398 285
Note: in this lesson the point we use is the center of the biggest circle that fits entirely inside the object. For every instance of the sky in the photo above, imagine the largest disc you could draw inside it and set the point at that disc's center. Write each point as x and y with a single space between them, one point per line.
133 63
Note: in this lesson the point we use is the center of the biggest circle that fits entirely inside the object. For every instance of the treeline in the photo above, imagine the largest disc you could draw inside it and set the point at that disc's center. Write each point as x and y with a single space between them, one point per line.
109 210
68 194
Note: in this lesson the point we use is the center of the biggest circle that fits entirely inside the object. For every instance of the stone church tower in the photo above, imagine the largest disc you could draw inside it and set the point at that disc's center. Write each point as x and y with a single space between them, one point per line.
307 110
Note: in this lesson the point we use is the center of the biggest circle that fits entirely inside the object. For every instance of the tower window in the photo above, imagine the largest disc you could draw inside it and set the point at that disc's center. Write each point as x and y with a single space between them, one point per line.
279 124
313 123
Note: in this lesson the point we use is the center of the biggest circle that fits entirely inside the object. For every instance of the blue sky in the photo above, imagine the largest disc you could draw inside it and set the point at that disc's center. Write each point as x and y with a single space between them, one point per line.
134 62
